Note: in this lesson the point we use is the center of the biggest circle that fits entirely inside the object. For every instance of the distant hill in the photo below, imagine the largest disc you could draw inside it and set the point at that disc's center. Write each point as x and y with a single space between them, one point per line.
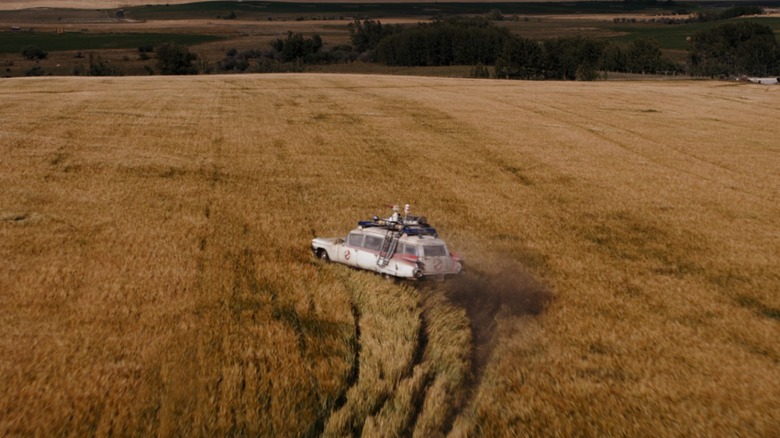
9 5
77 4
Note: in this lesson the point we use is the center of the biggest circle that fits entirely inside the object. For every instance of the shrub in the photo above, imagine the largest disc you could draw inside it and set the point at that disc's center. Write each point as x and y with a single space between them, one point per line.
265 65
480 71
98 67
236 61
295 46
173 59
32 52
366 34
34 71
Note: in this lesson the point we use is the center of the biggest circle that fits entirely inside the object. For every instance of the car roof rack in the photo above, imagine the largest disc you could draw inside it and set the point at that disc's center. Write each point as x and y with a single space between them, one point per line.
409 225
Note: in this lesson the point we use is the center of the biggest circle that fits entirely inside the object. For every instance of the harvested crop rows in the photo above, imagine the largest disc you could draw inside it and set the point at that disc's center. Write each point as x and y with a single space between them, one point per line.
621 238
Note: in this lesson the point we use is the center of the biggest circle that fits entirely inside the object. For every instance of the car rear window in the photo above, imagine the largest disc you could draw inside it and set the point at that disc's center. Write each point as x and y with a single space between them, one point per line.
373 242
435 250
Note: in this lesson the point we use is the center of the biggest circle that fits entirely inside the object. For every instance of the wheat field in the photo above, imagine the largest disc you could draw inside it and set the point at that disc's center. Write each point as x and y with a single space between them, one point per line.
622 241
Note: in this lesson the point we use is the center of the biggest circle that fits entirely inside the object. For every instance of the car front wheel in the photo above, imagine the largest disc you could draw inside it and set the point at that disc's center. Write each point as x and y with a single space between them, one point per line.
323 255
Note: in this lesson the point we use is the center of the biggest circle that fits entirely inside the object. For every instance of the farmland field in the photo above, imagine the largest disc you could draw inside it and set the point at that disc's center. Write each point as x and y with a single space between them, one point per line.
621 238
10 43
73 37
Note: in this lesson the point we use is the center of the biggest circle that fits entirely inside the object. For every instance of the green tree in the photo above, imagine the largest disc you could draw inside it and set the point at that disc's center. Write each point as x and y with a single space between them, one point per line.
520 58
613 58
447 42
295 47
732 12
644 56
734 49
572 58
366 34
495 15
173 59
32 52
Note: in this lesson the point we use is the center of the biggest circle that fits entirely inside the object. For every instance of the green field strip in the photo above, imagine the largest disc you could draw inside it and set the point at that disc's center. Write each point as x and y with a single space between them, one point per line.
674 36
14 42
259 9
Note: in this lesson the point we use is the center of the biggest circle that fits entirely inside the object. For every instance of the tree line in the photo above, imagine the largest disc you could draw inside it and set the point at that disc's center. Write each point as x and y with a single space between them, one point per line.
744 48
726 49
478 41
445 42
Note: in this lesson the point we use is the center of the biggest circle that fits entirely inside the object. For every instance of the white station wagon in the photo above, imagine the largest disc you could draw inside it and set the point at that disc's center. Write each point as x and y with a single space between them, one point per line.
395 247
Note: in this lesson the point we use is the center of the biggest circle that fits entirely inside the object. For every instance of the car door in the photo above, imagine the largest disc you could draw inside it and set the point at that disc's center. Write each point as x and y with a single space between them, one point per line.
351 249
370 253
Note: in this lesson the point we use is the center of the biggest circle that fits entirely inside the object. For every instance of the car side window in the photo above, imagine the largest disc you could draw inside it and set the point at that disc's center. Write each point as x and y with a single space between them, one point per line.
355 239
410 249
373 242
435 251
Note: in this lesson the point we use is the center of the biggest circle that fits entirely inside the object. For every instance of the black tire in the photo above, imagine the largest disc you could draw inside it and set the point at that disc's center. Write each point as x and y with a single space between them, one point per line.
323 255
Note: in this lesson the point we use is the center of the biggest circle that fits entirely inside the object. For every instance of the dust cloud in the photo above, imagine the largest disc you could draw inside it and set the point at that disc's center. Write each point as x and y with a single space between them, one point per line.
489 296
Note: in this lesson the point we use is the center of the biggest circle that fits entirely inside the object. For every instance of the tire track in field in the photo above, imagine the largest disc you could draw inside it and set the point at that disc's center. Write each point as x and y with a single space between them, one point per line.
304 112
471 295
58 118
354 370
400 411
395 157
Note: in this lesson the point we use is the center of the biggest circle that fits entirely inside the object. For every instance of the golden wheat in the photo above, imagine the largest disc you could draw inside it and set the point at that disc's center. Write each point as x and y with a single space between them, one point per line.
156 277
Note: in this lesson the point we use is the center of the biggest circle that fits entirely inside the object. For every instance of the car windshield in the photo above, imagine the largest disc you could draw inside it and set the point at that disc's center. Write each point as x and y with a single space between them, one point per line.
435 250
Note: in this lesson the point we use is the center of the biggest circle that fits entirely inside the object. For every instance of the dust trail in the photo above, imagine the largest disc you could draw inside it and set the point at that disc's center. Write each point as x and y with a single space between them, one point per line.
486 296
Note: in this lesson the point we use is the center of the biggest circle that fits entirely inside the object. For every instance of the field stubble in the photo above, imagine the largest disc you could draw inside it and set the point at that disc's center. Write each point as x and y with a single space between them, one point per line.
157 279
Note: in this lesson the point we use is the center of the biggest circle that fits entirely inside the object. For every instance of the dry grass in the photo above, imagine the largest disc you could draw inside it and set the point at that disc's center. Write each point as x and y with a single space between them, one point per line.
389 324
156 275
